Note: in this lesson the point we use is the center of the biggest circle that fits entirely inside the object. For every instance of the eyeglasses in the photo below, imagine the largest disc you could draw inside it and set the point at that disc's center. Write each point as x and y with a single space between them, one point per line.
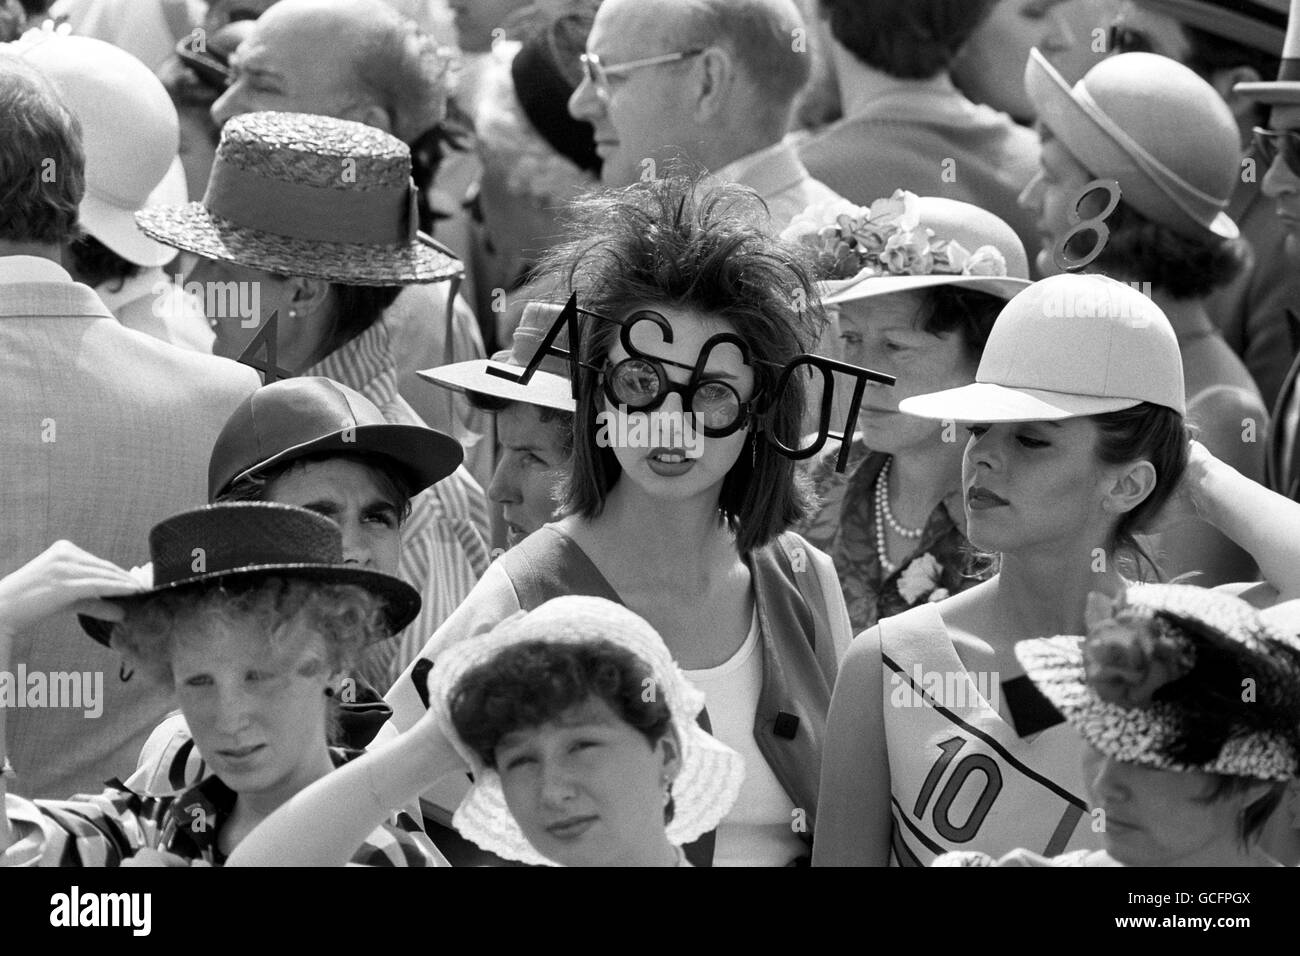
642 384
1269 141
599 74
212 70
1121 39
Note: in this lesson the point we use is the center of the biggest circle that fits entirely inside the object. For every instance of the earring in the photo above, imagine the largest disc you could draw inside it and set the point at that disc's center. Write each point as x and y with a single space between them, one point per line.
293 313
666 783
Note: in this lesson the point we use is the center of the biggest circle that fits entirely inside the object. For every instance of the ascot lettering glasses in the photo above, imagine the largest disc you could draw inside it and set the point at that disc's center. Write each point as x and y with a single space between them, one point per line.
598 73
640 384
1270 141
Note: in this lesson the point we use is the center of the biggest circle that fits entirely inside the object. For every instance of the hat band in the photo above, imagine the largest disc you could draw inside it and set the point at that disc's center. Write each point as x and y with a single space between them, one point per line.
1201 206
384 216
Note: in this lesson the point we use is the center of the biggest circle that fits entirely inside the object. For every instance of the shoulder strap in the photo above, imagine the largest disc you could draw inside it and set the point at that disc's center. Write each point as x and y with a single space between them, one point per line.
550 564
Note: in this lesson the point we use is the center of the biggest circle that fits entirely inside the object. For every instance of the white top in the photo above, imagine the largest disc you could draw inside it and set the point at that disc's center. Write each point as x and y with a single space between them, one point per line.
759 830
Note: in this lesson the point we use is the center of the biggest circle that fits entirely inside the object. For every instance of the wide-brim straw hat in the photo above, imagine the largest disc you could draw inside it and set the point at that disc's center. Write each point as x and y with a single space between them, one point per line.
1155 127
130 134
962 222
303 195
247 541
309 415
1068 346
708 783
1145 734
1285 90
550 385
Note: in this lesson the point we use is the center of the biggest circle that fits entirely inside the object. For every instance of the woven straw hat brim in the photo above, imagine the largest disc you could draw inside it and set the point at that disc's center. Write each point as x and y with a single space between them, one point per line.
401 601
544 388
193 228
1137 735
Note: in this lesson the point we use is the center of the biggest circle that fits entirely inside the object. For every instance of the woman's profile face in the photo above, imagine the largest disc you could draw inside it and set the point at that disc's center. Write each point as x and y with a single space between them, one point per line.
655 448
880 333
586 789
255 718
1156 817
1034 484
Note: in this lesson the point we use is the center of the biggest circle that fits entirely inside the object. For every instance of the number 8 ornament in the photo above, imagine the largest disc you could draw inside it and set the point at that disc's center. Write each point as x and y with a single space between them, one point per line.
1095 225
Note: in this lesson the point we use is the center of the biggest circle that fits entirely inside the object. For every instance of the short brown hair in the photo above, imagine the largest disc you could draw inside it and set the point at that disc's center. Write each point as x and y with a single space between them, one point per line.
42 166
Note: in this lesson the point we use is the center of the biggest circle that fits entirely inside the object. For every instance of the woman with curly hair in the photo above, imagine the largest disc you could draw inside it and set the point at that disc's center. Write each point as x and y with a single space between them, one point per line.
251 618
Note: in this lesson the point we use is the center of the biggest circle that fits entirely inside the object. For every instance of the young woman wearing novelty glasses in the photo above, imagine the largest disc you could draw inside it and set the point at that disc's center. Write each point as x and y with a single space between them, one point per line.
693 539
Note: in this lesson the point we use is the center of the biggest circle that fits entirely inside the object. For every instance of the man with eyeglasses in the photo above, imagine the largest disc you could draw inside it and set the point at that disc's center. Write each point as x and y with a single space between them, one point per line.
1279 144
712 83
1227 43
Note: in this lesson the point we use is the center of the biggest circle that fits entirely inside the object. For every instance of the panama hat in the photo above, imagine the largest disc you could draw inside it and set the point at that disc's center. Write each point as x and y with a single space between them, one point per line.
1258 24
711 773
1069 345
296 417
1286 88
550 386
939 242
1155 127
1161 683
249 540
305 195
130 134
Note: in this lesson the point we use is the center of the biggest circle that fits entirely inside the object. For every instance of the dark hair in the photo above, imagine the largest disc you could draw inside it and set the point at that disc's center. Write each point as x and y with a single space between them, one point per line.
682 243
390 478
968 312
1253 818
533 682
1158 435
1209 53
1184 268
356 309
42 165
908 39
13 20
561 422
94 263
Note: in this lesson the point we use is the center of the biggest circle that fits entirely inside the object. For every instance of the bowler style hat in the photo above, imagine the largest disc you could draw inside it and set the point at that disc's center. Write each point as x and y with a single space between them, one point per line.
1285 90
550 386
1162 684
304 195
1156 128
1068 346
297 417
130 134
242 542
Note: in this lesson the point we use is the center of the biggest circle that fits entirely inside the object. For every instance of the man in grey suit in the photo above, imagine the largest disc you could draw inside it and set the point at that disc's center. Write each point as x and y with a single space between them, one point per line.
104 431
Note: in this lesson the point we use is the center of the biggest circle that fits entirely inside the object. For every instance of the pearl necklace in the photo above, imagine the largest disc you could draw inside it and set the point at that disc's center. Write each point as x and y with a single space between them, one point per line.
886 517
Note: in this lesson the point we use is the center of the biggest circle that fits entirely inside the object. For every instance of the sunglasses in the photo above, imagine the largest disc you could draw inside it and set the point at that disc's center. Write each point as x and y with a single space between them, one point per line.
598 73
1269 142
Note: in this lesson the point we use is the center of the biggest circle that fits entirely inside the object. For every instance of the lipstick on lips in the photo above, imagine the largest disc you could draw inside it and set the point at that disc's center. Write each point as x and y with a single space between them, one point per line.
979 498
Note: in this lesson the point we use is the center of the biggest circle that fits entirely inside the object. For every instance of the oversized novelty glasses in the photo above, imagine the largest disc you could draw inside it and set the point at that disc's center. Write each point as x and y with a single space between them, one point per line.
1269 141
640 381
598 73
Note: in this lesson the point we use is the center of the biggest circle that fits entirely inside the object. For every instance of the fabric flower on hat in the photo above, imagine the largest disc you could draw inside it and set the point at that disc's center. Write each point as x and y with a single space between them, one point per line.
1130 657
919 578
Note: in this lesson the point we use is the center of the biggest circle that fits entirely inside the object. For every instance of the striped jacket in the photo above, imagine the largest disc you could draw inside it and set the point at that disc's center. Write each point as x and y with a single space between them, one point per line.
105 829
443 541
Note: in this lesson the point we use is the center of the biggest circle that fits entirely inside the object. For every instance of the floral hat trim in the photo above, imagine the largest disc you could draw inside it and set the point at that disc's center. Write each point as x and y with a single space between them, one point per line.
884 239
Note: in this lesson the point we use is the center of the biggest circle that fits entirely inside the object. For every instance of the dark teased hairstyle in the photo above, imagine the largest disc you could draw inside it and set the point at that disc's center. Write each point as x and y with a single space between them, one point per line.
1158 435
42 165
94 263
533 682
391 480
561 422
681 243
908 39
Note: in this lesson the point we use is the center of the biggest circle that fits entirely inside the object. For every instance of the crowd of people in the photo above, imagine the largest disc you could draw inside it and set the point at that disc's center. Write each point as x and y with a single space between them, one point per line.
650 433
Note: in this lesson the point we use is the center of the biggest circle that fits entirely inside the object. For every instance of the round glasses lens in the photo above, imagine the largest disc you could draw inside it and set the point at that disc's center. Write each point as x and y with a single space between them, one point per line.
716 404
634 382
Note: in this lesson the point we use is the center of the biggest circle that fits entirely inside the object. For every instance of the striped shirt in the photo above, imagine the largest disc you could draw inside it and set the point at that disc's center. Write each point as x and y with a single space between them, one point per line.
108 828
443 541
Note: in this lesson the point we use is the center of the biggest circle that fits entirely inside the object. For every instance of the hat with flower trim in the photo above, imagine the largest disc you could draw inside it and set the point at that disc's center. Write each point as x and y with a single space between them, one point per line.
1177 677
908 242
711 773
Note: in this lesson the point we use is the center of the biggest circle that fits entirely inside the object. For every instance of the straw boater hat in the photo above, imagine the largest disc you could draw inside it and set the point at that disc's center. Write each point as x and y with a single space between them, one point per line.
249 540
296 417
305 195
1285 90
1259 24
948 242
1155 127
550 386
1068 346
711 773
1164 683
130 133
